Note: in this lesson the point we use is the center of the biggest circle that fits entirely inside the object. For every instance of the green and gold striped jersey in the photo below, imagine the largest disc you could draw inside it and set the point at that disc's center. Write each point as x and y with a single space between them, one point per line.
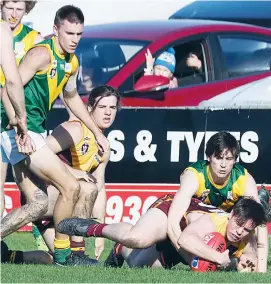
44 88
222 196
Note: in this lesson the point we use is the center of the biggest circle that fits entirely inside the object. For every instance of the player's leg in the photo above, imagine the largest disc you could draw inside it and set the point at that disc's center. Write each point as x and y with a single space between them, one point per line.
41 163
21 257
83 209
148 257
4 168
34 190
43 230
150 228
37 257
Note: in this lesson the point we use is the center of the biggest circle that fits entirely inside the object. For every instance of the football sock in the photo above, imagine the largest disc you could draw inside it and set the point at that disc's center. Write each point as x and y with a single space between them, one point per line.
78 247
95 230
62 250
16 256
41 245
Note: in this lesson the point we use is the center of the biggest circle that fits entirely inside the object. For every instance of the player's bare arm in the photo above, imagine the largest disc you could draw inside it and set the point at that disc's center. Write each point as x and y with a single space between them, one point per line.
181 202
248 259
76 105
262 231
8 105
13 81
64 137
37 59
192 238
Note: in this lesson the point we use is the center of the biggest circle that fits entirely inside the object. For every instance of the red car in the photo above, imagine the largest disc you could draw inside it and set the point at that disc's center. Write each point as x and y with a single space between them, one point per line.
232 54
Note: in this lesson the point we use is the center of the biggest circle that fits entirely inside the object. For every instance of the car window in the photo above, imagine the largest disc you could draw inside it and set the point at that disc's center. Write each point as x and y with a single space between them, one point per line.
245 55
191 66
100 59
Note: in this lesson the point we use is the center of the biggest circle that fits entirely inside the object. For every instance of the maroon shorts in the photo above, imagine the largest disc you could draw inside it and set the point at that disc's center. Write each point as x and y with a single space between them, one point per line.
163 203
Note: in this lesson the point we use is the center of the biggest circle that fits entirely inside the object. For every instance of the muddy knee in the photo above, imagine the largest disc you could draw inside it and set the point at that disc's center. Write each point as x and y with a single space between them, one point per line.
38 204
88 191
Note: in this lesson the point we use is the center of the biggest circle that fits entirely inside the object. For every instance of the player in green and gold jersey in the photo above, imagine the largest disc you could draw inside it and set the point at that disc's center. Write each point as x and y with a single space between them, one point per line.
47 69
220 181
24 37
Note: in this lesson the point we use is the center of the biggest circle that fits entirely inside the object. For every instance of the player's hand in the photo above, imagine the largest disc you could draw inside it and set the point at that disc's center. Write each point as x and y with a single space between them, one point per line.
223 259
99 247
149 60
102 142
174 233
246 264
24 142
193 61
85 176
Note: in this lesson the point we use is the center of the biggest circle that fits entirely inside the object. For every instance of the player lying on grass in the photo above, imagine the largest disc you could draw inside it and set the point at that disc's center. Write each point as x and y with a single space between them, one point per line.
219 181
200 220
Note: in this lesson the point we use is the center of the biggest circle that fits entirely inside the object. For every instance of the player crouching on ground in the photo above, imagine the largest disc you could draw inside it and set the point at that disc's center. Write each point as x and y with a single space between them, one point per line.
88 163
237 227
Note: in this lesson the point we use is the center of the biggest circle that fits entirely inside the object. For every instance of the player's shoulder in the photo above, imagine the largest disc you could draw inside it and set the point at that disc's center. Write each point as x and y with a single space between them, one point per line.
74 128
39 52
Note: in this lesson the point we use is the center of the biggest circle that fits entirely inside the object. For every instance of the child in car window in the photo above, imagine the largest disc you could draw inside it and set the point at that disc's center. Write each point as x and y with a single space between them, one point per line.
163 65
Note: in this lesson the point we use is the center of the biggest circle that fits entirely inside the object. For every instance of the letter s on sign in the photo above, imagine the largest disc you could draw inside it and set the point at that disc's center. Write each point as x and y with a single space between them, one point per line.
247 144
117 148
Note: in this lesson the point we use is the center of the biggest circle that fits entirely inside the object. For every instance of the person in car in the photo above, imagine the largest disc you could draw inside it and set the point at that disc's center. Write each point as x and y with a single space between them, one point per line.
163 65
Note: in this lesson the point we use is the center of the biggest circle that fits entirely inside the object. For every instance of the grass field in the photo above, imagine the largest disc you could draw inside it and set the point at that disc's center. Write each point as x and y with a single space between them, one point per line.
54 274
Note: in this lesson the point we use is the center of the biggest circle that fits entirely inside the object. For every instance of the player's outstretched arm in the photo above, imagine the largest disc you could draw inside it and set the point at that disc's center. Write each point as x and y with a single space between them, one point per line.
14 84
262 231
180 204
76 105
192 240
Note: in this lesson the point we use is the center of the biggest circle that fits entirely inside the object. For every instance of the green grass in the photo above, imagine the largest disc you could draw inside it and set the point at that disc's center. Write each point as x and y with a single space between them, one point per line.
54 274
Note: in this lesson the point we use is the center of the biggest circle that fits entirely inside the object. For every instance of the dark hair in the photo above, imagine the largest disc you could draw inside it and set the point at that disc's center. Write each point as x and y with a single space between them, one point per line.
29 5
70 13
102 91
221 141
246 208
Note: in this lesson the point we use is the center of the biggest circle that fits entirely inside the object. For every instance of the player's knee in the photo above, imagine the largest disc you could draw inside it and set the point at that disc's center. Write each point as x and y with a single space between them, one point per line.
136 241
71 191
38 204
89 192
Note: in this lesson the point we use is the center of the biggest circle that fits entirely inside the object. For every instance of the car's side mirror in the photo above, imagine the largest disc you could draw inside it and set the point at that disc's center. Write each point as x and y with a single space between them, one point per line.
151 83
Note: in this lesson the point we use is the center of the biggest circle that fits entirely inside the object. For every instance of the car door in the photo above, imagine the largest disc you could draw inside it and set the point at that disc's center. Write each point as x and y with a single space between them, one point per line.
244 57
193 87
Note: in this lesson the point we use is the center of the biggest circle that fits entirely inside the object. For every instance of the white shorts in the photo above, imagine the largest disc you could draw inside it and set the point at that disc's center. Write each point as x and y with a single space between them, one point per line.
9 149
